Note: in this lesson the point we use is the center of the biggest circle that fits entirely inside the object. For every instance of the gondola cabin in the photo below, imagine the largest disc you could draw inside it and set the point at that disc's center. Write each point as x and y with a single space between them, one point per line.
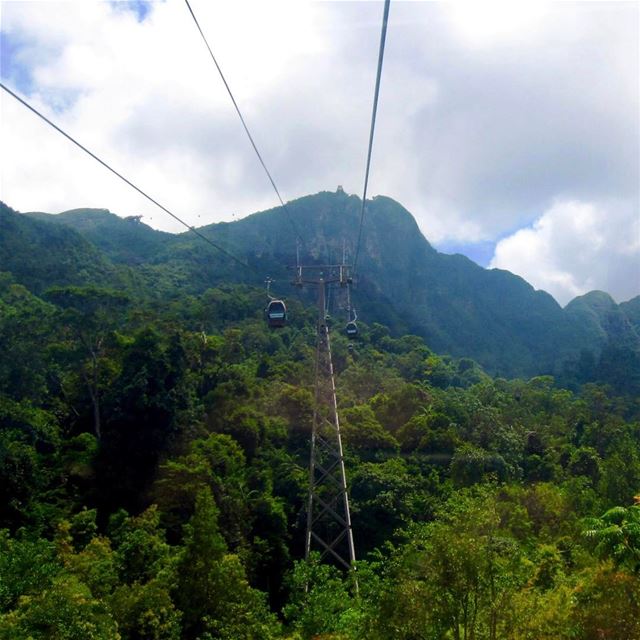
351 329
276 313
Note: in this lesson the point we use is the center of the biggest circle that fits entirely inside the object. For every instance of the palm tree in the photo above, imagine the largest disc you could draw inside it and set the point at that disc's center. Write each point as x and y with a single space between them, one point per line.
617 536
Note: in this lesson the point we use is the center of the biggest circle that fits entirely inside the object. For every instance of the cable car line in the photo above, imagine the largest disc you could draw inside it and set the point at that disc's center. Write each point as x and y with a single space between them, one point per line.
328 509
246 128
133 186
383 36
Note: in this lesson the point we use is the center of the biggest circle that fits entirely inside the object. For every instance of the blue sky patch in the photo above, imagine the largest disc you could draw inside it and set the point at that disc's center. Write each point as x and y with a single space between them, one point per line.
14 71
18 75
480 252
140 8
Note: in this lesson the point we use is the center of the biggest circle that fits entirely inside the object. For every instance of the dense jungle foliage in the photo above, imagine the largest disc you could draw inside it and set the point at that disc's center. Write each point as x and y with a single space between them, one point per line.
153 476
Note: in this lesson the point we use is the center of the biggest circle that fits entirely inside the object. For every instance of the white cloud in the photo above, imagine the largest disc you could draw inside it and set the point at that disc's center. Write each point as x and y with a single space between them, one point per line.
146 98
483 23
485 115
576 247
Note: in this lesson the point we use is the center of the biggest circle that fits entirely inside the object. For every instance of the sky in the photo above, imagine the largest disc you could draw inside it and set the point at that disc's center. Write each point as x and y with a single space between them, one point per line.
510 130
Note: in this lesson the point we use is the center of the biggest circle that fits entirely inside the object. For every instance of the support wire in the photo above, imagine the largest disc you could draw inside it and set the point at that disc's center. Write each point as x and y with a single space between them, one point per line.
383 36
246 128
133 186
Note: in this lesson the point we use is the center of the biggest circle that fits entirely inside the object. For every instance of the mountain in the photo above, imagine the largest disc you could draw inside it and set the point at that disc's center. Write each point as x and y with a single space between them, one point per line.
41 255
124 240
631 310
605 320
460 308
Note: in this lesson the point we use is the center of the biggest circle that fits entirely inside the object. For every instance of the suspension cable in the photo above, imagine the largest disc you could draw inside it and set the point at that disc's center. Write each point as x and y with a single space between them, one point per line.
246 128
383 36
133 186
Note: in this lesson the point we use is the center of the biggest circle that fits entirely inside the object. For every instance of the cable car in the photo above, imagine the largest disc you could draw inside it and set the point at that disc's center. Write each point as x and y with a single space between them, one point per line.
276 313
351 329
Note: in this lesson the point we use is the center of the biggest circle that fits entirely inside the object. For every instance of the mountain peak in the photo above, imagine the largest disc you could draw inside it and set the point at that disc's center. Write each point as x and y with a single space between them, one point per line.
596 300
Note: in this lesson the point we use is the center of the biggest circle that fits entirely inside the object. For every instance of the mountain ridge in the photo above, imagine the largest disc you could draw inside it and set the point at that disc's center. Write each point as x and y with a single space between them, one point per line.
459 307
77 218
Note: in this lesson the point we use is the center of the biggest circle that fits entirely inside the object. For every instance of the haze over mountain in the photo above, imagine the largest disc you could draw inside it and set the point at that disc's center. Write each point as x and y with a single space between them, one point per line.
460 308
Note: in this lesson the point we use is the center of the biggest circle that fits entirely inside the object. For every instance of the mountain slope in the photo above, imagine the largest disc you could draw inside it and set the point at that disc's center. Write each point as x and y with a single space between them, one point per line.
605 321
460 308
492 316
631 310
40 254
125 240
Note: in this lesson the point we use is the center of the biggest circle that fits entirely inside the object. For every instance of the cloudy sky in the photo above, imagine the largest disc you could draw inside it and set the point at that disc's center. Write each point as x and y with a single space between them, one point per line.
510 130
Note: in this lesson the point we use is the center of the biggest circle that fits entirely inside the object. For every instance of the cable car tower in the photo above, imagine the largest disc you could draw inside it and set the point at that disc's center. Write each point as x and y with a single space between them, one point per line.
328 516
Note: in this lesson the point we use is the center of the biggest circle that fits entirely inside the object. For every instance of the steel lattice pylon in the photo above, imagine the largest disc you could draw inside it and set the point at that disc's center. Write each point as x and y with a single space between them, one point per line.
328 516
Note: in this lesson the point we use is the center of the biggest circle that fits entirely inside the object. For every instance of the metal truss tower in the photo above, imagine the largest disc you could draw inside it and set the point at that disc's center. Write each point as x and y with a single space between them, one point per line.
328 516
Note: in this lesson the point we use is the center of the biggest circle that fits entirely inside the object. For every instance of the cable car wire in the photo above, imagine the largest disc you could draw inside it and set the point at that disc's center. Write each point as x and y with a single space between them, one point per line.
246 128
383 36
133 186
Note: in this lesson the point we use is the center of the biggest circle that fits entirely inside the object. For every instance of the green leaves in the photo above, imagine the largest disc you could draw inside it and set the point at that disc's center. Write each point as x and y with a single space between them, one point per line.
320 599
616 535
26 567
182 408
212 590
65 611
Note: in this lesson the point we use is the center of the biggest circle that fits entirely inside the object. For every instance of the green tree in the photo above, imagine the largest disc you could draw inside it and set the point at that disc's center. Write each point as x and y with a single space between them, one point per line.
90 315
320 599
150 405
26 567
456 577
27 324
616 535
64 611
141 552
145 611
211 589
607 604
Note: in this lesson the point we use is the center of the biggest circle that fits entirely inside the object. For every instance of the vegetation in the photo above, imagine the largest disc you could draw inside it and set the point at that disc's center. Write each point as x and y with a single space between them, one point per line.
153 478
492 316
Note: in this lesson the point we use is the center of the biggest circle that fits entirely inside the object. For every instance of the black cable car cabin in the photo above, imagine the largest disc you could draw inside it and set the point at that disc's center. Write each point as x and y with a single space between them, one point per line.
351 329
276 313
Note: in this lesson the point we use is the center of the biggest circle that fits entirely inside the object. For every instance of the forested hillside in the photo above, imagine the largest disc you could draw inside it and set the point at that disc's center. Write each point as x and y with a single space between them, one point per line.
154 443
459 308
